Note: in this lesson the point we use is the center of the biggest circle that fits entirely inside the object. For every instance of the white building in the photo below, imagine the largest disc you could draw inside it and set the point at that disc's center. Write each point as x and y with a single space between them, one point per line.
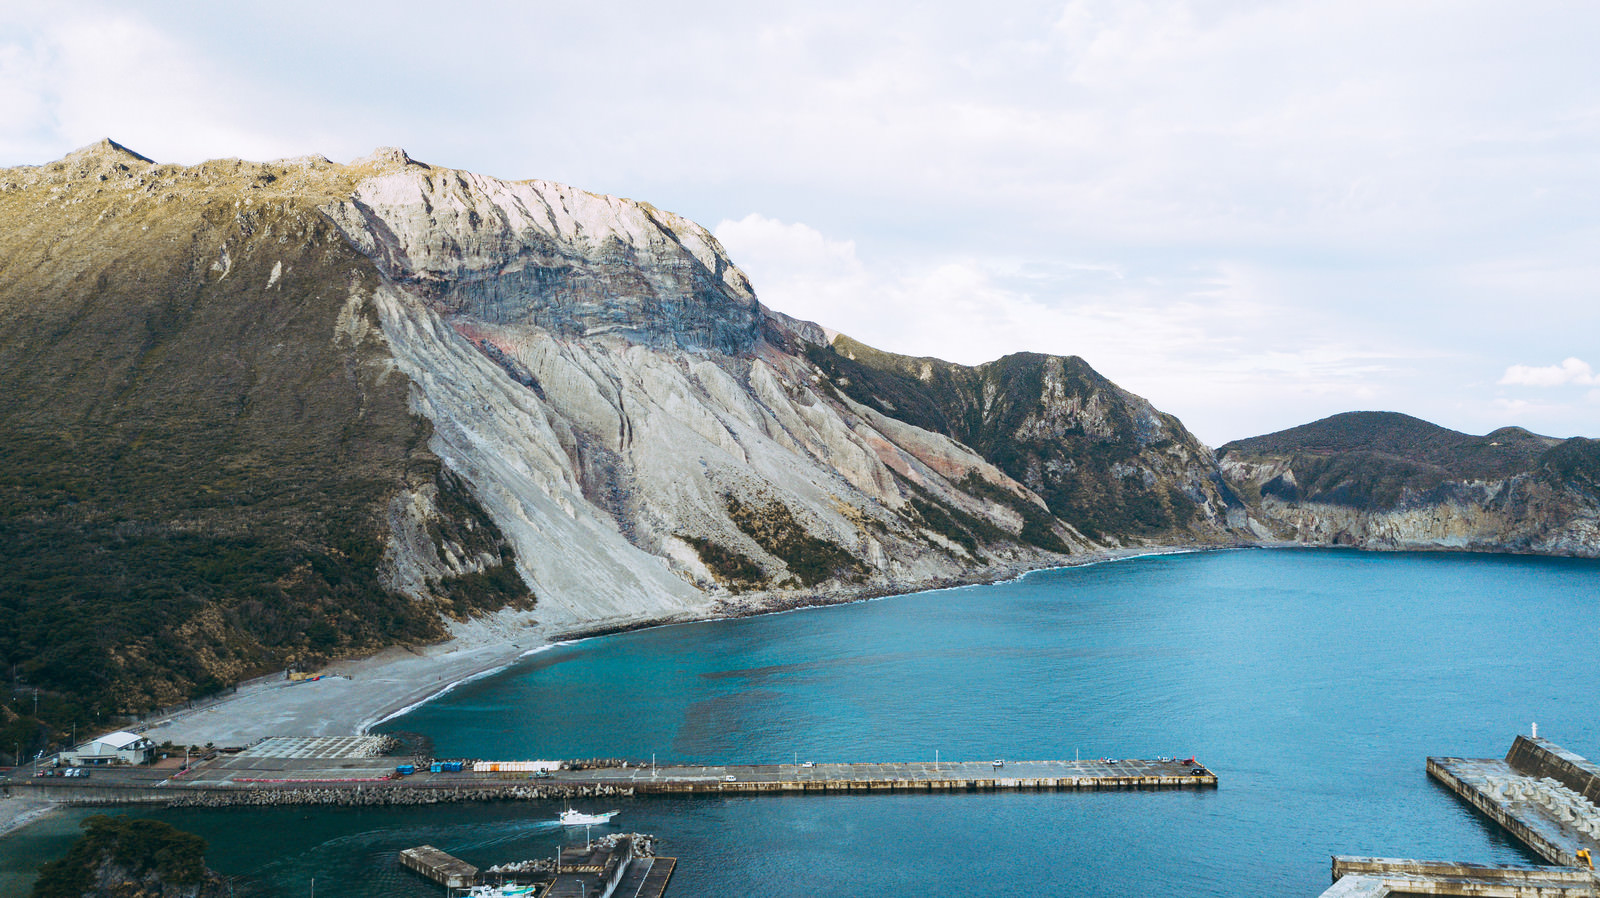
112 748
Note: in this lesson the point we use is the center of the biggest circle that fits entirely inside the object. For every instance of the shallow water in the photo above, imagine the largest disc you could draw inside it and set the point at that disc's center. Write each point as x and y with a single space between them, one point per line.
1314 683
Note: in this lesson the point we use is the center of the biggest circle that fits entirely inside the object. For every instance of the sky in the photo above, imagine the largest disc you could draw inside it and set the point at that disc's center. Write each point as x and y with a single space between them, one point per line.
1254 214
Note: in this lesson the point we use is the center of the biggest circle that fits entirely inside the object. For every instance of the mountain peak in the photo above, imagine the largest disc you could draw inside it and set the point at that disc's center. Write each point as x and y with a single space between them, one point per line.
387 157
105 149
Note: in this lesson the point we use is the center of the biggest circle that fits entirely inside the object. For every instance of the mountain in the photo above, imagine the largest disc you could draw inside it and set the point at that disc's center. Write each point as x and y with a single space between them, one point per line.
1387 480
258 414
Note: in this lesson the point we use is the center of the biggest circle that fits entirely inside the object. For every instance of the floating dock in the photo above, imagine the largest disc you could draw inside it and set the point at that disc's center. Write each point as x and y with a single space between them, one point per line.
948 776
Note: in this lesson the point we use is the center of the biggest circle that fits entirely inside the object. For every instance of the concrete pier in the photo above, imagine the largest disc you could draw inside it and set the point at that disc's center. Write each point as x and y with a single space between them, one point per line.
1371 877
1539 793
949 776
444 869
305 771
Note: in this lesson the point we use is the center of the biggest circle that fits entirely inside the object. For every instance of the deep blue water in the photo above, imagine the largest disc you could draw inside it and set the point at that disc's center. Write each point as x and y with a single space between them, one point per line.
1314 683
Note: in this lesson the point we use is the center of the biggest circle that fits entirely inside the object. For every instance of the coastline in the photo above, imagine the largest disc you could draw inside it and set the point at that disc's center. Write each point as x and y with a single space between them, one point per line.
356 694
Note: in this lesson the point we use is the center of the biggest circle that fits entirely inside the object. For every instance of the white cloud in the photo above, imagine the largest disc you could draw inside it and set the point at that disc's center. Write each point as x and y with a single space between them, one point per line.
1204 345
1572 371
1254 213
71 76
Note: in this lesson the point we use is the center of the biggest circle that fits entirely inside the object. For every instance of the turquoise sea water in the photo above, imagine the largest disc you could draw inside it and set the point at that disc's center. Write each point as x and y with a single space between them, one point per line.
1314 683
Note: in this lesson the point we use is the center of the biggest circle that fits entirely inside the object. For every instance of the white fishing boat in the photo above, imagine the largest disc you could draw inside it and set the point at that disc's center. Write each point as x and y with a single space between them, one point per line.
502 891
569 817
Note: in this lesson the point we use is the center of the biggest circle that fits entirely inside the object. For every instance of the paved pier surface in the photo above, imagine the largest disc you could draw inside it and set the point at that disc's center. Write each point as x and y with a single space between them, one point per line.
906 776
1374 877
349 765
1549 814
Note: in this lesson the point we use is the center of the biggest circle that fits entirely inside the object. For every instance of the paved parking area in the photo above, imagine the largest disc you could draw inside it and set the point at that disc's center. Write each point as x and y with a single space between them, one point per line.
324 747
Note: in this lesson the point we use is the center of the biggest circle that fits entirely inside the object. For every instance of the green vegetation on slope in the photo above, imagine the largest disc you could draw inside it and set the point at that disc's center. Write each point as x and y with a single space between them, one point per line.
730 566
197 444
1052 423
1371 460
146 853
774 529
1575 462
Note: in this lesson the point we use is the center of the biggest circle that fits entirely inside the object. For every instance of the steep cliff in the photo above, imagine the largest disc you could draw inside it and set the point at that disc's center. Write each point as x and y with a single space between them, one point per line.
1104 460
1382 480
261 413
205 450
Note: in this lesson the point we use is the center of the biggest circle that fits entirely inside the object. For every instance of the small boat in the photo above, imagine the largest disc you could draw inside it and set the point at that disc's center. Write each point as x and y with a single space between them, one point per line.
502 891
569 817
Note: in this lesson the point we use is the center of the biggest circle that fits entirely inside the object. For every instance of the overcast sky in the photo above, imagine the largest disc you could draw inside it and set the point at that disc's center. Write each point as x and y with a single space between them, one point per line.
1253 213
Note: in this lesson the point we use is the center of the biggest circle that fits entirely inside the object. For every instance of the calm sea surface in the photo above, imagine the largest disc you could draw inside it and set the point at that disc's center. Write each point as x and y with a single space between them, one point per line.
1314 683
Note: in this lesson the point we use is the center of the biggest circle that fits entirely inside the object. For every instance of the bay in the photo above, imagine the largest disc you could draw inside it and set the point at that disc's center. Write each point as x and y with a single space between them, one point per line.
1313 682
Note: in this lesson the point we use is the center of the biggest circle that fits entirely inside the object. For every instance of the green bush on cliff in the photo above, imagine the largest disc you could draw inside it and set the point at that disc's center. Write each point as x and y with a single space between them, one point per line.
774 529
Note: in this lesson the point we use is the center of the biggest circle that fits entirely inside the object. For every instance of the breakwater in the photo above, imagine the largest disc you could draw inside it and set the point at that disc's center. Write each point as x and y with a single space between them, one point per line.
307 779
327 796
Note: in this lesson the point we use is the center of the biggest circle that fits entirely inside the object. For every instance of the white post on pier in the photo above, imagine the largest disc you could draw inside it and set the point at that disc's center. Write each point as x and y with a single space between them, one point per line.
1536 730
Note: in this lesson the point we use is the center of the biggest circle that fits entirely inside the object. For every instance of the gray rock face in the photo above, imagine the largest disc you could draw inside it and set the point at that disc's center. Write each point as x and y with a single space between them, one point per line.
551 256
649 439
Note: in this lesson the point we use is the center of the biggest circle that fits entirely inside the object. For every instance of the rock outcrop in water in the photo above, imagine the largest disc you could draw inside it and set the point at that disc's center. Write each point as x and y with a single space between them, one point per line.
122 857
1381 480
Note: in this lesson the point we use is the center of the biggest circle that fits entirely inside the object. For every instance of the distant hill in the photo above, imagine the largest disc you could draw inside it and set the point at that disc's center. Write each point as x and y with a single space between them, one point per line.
1384 479
1369 458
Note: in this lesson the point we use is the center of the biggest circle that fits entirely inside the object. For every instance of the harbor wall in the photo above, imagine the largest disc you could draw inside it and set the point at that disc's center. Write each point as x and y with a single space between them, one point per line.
1499 813
1540 758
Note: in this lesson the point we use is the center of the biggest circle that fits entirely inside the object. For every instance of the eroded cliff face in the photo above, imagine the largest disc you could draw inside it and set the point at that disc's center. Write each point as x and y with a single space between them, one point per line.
648 437
293 410
1378 480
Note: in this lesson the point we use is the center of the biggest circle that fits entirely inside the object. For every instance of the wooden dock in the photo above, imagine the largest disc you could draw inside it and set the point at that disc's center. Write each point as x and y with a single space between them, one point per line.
915 776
